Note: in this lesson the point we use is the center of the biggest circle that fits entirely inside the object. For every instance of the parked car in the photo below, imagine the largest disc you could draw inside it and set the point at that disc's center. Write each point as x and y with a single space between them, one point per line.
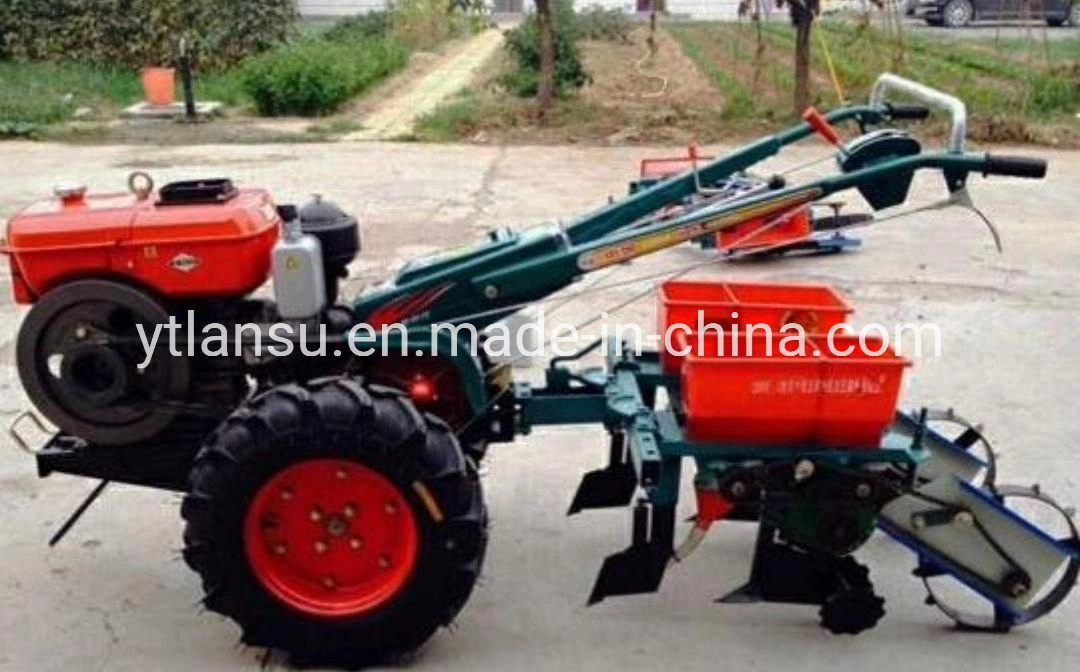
957 13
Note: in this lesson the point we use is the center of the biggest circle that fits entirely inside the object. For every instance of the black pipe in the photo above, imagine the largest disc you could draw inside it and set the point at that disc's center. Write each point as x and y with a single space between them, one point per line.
190 113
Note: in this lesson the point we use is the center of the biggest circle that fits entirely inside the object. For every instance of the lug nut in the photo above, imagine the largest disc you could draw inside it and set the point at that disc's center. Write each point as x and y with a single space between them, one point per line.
286 494
383 562
329 582
80 333
738 489
342 474
320 546
863 490
356 543
804 469
279 549
391 508
349 511
315 515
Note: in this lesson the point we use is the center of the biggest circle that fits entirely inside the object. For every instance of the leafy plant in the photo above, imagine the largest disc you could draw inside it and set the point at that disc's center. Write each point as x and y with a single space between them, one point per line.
362 26
17 129
597 22
314 76
523 43
143 32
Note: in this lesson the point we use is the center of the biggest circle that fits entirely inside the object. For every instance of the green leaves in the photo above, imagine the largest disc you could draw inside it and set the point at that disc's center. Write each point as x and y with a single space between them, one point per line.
315 76
143 32
523 43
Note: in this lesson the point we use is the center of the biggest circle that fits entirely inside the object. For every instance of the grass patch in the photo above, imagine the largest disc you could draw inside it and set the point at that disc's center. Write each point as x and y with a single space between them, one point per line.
462 117
331 128
480 115
43 93
739 102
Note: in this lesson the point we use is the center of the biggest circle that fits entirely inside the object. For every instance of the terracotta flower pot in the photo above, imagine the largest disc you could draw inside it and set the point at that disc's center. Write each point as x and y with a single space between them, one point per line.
159 85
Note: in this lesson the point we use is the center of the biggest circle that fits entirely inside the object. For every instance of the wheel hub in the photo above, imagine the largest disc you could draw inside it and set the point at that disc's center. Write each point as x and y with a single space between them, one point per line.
331 538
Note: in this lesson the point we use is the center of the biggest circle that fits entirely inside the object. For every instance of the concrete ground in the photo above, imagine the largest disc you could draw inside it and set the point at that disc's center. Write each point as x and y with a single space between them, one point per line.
115 595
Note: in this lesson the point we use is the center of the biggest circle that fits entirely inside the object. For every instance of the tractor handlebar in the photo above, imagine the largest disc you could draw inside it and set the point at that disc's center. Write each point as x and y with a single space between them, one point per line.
928 96
901 111
1015 166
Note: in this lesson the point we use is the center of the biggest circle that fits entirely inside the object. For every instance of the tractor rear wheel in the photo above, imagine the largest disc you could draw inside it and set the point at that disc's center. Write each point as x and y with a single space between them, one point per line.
334 522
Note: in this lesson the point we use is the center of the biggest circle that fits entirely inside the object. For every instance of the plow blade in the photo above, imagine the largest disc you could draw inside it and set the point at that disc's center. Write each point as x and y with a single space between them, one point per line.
612 486
640 568
959 529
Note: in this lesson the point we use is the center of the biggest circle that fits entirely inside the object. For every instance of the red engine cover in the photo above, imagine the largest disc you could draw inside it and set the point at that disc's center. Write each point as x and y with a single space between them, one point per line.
220 249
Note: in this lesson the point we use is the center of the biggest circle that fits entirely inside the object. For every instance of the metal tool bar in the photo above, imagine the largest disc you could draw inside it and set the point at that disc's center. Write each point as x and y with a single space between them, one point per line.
954 106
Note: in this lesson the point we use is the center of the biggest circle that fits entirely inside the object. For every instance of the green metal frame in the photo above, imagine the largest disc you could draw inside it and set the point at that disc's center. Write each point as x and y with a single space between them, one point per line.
482 284
623 401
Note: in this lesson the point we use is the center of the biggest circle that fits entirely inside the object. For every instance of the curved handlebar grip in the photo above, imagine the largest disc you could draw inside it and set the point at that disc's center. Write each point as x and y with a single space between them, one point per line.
904 111
821 125
1015 166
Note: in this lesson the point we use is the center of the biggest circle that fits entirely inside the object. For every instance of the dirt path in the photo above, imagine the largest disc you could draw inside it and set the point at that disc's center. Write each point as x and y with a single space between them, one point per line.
394 118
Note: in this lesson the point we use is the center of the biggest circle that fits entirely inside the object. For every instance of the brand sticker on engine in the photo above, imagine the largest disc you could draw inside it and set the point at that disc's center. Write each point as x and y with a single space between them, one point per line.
184 262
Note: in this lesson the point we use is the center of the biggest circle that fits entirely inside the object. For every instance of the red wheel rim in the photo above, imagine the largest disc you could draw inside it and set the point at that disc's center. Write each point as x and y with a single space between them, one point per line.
331 538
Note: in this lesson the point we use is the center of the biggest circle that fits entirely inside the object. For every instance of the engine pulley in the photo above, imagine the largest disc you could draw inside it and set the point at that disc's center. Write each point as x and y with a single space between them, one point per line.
78 356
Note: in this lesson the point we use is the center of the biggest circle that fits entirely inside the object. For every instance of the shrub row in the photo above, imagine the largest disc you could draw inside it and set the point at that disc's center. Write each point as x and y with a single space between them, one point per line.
523 43
597 22
142 32
315 76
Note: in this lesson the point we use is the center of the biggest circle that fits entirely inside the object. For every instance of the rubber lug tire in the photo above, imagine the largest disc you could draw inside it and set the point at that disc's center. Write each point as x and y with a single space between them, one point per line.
336 418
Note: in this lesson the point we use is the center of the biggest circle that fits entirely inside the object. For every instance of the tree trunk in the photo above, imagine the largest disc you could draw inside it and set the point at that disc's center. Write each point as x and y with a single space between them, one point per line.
803 20
545 89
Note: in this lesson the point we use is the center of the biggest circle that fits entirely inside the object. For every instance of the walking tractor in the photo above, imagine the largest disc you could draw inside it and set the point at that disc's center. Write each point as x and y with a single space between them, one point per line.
331 504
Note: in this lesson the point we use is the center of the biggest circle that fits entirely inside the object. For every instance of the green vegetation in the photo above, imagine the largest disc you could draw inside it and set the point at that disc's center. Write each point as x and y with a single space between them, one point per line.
316 75
135 33
40 93
597 22
271 63
739 102
360 27
424 24
319 72
471 113
1016 90
523 44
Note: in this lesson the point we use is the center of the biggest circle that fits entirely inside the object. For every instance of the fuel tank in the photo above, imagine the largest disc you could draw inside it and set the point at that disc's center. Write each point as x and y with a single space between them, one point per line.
188 239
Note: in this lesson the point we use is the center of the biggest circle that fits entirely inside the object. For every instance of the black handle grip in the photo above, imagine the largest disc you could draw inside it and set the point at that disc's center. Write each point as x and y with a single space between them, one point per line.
903 111
1015 166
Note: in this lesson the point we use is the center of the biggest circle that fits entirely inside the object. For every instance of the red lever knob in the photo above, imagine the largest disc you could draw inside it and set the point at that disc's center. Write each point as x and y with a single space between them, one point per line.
821 125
